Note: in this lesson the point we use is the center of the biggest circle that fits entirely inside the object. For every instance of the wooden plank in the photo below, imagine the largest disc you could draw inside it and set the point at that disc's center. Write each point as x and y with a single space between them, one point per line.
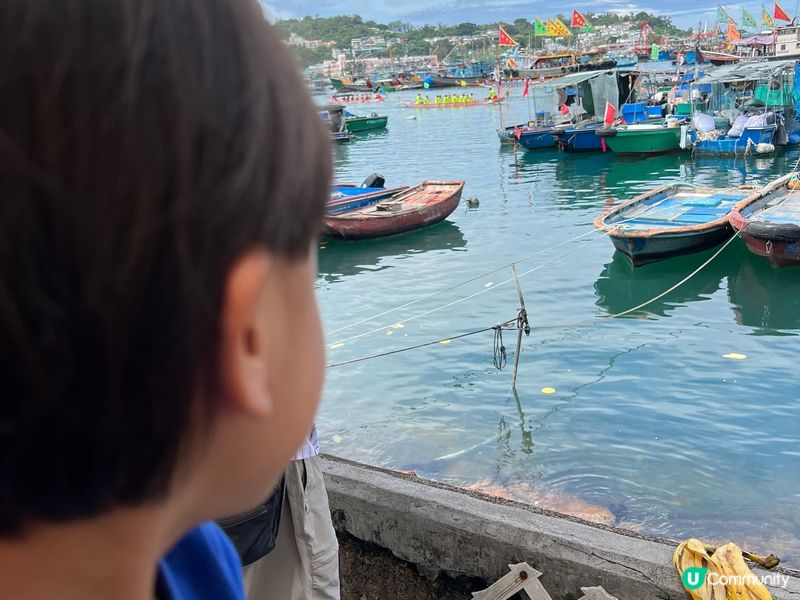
520 577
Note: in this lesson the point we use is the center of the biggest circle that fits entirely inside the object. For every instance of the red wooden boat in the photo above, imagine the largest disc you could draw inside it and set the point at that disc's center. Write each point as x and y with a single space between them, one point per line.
422 205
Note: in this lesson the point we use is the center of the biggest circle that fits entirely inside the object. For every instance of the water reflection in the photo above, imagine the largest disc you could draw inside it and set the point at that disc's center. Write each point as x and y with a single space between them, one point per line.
339 259
764 297
621 286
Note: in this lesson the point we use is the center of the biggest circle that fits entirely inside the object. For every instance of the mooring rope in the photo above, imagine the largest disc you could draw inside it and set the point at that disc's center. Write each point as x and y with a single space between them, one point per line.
600 233
499 349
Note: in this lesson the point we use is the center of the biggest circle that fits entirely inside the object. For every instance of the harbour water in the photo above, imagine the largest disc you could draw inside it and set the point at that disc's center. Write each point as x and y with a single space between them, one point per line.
645 417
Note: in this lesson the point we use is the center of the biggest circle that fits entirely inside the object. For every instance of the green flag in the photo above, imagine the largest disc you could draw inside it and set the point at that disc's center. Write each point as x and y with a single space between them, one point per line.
748 20
654 52
539 28
722 16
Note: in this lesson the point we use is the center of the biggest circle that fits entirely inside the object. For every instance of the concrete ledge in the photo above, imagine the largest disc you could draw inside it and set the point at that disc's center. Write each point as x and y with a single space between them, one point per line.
444 530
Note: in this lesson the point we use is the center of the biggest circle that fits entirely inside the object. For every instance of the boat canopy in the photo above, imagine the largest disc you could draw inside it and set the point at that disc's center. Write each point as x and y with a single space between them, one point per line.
596 88
573 78
747 72
756 40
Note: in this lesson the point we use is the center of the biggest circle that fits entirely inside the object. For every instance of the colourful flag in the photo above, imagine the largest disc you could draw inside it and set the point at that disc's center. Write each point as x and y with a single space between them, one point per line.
539 28
748 21
654 50
578 20
766 18
525 89
608 117
561 29
722 16
780 14
505 39
551 28
733 32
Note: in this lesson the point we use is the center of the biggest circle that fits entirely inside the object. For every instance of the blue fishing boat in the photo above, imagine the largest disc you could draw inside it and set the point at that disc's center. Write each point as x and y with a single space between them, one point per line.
580 138
347 196
536 138
754 140
671 220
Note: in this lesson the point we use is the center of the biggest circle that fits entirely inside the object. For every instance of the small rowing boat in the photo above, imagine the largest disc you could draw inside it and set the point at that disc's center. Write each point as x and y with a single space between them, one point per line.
671 220
425 204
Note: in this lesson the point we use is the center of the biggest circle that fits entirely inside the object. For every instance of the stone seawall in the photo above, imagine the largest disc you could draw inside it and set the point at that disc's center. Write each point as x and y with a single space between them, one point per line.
407 538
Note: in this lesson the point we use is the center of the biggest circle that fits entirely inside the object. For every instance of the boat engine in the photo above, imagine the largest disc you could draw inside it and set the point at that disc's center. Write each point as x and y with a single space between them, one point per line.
374 180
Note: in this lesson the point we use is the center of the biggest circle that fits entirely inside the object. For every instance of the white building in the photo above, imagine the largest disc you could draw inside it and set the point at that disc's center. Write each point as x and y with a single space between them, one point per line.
787 41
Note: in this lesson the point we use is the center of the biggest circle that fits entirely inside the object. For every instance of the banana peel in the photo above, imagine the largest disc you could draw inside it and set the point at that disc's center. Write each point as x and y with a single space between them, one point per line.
727 562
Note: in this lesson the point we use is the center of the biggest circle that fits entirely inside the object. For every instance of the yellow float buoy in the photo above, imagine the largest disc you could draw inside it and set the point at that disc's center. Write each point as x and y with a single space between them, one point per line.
548 390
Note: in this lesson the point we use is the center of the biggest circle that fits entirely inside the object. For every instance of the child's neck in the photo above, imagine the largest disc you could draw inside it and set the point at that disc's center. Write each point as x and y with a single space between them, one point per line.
114 556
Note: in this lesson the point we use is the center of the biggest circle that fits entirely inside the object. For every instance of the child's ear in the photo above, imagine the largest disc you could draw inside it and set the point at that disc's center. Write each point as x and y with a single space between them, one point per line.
243 361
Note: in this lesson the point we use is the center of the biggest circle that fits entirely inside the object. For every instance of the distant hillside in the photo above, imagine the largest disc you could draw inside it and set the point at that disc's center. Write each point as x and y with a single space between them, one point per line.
412 40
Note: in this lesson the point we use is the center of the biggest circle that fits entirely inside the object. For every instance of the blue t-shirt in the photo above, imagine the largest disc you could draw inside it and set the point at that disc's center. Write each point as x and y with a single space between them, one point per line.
202 565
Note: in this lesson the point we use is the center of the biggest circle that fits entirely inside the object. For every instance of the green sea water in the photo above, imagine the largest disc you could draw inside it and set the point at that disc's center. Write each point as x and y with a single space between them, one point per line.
648 420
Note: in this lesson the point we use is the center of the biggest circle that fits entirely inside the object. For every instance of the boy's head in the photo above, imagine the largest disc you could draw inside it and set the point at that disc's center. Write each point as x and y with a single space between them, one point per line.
162 178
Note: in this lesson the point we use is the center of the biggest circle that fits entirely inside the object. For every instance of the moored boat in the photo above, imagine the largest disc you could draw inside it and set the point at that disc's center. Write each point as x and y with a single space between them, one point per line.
371 122
425 204
345 198
749 135
536 138
671 220
579 138
644 138
770 225
348 85
437 80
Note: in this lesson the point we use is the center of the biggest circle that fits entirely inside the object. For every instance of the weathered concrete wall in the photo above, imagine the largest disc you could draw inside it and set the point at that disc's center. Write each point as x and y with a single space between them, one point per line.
452 536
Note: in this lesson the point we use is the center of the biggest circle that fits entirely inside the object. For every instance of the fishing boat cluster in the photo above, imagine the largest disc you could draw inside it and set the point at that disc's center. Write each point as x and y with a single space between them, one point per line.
748 108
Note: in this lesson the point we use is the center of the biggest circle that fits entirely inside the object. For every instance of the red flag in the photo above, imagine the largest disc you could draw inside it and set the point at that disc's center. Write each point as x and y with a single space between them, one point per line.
780 14
608 118
505 39
525 89
517 131
578 20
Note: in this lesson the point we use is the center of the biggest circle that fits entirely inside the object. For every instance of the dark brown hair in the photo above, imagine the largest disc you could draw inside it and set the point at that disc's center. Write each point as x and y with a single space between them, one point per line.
144 146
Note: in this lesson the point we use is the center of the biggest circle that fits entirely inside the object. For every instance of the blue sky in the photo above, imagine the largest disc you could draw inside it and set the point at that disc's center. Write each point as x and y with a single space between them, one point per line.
684 13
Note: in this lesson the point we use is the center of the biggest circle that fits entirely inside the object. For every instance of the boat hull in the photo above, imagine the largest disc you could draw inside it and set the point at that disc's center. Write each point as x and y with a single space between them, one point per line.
372 222
578 140
642 251
770 225
744 144
445 81
779 253
653 141
341 86
536 139
361 124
